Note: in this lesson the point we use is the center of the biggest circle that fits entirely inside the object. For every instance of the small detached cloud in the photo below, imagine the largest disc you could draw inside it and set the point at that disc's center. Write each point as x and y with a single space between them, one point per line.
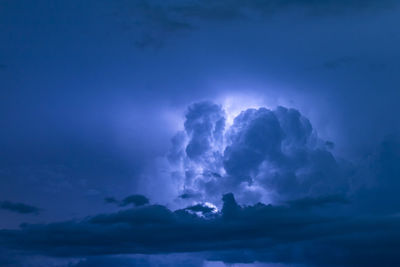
19 207
111 200
135 200
189 194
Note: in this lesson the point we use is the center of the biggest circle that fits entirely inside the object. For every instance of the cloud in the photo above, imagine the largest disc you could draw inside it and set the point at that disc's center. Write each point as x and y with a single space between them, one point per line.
265 155
319 201
19 207
135 200
203 209
190 194
266 233
150 21
235 9
110 200
157 21
148 214
204 125
140 260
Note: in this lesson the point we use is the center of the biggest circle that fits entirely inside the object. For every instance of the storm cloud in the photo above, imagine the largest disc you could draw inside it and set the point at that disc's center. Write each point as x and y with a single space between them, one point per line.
293 161
269 155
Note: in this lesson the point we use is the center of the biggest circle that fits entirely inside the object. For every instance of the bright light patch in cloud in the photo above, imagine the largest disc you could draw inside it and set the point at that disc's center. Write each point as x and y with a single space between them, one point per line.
210 205
236 103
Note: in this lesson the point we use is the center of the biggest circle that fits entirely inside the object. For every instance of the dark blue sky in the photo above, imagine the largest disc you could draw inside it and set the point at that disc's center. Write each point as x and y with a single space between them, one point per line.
93 92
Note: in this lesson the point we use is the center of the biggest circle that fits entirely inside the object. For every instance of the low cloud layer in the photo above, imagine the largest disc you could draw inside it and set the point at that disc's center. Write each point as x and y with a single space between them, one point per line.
297 232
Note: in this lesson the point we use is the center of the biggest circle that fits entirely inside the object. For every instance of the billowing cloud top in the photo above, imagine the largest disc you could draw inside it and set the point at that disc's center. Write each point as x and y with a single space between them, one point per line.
265 155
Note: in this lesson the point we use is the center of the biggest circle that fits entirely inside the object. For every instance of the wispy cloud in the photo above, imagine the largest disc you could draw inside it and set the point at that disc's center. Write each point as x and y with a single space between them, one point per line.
155 21
19 207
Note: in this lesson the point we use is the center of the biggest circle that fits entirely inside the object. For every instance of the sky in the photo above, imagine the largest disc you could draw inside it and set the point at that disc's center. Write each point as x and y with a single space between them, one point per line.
199 133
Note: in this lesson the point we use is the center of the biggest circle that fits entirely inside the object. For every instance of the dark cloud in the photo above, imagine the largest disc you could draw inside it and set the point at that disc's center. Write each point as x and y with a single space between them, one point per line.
110 200
151 214
135 200
230 208
19 207
266 233
139 260
202 210
319 201
110 261
190 194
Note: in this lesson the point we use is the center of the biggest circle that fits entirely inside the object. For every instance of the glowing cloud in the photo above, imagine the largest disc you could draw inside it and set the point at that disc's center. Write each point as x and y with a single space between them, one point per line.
257 153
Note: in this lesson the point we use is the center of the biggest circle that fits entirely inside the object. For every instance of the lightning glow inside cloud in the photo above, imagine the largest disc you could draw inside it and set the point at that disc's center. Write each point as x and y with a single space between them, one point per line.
258 153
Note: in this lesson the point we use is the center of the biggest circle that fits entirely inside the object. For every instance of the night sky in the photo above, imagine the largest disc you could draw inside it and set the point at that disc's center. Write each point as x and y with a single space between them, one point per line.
199 133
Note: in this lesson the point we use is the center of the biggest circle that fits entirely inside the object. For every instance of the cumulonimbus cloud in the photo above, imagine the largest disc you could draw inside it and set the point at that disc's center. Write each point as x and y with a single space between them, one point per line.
265 155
